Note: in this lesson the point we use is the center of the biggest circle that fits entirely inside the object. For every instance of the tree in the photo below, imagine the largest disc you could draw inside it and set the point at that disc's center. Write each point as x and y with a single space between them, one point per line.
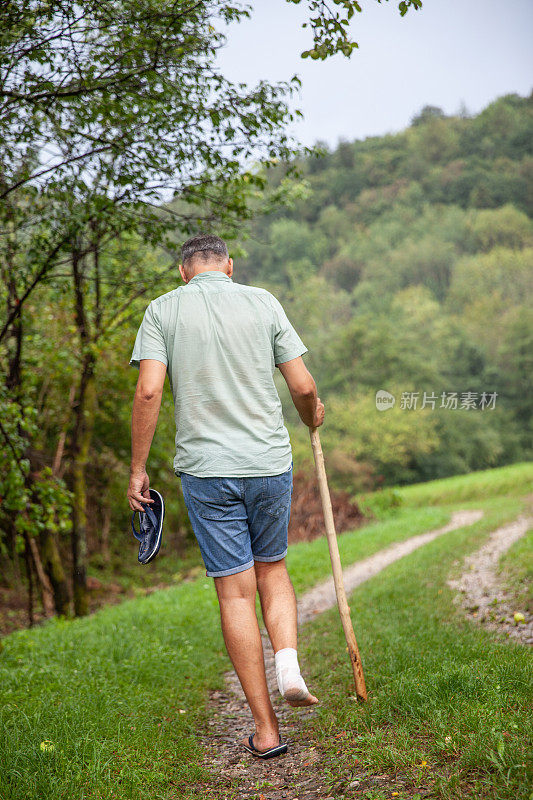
124 99
329 23
115 122
427 113
106 110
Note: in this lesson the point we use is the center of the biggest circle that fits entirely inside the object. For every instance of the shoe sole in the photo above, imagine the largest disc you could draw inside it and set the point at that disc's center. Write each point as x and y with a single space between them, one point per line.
160 532
276 751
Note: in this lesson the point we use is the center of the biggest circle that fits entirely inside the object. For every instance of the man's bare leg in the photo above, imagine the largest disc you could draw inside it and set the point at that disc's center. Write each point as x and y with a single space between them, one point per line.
278 604
236 597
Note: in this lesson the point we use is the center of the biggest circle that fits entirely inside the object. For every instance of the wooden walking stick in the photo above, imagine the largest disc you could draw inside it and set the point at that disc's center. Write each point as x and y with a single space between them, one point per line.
342 602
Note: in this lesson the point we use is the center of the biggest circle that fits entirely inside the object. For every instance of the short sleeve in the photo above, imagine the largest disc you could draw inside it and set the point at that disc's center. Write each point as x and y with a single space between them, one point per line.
287 343
150 342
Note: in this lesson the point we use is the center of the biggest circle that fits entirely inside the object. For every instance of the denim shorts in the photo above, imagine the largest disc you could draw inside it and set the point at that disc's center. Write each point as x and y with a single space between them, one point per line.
237 521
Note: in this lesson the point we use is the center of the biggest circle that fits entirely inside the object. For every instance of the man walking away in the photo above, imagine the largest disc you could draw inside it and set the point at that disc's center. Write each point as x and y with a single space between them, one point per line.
220 343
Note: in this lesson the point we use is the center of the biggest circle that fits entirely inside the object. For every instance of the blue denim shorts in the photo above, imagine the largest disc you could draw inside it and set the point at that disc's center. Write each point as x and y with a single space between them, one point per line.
237 521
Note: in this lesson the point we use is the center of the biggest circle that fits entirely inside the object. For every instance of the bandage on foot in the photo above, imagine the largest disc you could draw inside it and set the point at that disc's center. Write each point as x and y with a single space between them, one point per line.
291 685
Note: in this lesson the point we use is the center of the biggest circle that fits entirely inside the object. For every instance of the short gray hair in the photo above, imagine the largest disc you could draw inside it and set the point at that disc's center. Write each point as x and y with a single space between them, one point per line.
204 245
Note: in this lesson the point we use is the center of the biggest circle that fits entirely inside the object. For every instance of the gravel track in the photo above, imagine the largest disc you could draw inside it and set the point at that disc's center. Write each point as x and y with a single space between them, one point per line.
481 592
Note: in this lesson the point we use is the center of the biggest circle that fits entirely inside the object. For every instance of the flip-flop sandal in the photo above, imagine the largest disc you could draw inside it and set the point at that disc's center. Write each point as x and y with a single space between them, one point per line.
151 527
274 751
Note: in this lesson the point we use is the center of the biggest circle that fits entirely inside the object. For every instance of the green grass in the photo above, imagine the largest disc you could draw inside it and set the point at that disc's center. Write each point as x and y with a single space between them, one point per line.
107 690
442 690
169 568
514 479
309 562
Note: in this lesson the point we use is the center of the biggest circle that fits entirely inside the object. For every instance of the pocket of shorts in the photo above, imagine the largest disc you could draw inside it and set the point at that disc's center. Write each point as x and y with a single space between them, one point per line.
209 509
276 494
203 505
277 506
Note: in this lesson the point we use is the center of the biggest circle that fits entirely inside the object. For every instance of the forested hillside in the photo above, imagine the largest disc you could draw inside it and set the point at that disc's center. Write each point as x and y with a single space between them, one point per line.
406 263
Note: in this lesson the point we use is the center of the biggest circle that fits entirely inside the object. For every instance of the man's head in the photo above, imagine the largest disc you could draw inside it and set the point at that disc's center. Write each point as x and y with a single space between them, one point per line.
202 253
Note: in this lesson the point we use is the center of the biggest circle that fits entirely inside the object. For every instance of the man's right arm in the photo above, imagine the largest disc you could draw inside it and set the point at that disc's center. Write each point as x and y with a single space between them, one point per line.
303 392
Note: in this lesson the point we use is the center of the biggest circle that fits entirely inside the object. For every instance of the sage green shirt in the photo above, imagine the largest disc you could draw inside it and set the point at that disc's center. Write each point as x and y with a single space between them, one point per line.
221 342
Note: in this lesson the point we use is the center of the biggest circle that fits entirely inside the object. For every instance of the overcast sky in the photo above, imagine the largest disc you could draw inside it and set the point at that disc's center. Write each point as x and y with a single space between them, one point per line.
448 53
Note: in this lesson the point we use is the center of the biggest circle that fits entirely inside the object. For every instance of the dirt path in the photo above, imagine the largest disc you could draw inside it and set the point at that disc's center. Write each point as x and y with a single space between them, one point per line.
297 775
322 596
482 595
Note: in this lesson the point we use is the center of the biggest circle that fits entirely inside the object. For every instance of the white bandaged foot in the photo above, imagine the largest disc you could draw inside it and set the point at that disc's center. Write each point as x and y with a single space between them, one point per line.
291 685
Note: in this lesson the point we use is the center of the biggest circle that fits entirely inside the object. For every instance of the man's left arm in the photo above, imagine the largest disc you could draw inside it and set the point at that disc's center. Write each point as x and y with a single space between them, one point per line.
146 406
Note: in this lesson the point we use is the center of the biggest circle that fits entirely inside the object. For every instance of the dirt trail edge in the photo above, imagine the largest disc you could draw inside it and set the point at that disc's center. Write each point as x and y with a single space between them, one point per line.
482 595
297 774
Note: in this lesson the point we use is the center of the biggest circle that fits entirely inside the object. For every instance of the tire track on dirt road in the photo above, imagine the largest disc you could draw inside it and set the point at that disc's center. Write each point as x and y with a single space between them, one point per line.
482 594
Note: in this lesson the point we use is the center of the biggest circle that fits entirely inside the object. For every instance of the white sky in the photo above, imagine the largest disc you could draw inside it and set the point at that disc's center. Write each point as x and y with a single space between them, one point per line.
450 52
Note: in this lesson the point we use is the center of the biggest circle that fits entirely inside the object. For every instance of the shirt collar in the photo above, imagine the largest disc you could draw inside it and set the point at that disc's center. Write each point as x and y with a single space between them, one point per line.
210 274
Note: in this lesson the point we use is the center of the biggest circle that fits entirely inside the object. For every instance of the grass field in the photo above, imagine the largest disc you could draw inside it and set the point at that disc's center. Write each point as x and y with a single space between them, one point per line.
450 704
110 706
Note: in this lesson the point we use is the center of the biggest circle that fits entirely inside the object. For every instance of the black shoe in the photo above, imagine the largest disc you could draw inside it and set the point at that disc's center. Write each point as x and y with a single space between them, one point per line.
273 751
151 527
